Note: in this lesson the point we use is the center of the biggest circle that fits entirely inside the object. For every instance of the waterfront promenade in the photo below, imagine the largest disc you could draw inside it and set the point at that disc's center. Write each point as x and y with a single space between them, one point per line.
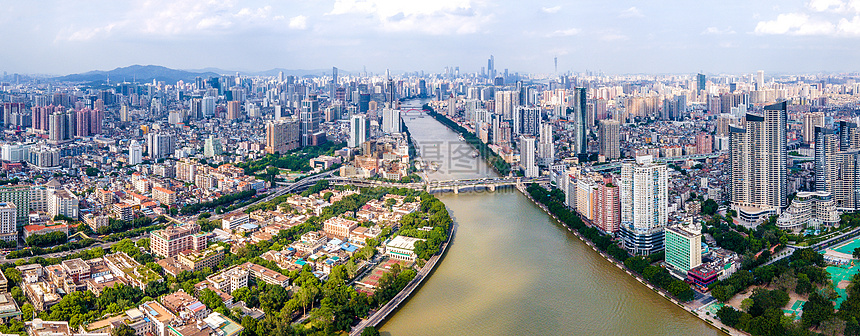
380 315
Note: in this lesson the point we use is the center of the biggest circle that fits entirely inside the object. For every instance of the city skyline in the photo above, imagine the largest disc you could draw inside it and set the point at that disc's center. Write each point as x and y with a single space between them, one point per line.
624 37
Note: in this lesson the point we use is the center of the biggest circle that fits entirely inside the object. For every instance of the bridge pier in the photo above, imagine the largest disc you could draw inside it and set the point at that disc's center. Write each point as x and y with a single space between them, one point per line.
492 187
456 190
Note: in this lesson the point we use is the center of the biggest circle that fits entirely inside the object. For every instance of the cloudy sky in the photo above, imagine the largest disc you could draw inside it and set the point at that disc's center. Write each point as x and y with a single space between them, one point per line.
714 36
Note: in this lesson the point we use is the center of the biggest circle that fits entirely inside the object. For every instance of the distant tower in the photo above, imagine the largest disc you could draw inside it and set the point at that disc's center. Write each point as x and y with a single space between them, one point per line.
555 60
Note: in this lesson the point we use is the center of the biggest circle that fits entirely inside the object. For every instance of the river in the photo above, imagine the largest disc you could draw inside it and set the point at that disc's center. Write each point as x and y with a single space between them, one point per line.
512 270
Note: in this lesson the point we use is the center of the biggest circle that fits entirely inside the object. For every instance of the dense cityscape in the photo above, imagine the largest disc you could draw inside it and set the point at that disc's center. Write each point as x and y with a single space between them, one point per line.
497 194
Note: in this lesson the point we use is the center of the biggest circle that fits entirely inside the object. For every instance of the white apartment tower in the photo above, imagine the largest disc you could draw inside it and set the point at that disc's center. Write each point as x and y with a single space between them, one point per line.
644 205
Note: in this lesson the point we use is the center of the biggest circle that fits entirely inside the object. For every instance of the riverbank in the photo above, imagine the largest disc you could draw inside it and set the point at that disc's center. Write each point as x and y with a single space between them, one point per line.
666 295
494 160
379 317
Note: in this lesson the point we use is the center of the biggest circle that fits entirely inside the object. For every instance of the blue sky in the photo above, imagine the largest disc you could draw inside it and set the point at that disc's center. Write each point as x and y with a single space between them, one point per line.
729 36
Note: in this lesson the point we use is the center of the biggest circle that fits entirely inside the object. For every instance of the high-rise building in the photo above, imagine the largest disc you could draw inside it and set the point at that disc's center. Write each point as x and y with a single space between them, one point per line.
810 122
700 82
527 120
234 110
826 146
527 156
704 143
212 146
8 219
847 180
580 132
609 138
160 145
135 153
390 120
14 152
359 130
282 136
683 248
608 209
310 120
758 165
208 106
644 205
170 241
63 202
849 135
20 196
196 111
546 146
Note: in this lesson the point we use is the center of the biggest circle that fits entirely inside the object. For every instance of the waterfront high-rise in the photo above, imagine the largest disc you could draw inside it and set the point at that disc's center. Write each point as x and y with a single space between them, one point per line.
527 156
390 120
608 136
580 132
644 205
608 208
359 130
683 248
757 185
546 146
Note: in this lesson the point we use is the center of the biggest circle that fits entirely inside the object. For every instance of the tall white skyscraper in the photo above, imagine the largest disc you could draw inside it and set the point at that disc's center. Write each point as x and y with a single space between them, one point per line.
8 218
390 120
546 147
135 153
359 130
527 156
644 205
758 160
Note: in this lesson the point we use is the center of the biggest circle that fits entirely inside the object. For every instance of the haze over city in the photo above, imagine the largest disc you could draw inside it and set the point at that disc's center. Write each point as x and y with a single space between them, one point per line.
63 37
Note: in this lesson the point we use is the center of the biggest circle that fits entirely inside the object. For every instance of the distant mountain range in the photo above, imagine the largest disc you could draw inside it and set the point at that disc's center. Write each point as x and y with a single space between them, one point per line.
138 73
147 73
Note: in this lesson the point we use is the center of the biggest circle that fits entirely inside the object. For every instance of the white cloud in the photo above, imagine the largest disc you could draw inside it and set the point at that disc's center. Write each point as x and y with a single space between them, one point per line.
851 28
299 22
551 10
631 12
431 17
718 31
826 5
566 32
167 18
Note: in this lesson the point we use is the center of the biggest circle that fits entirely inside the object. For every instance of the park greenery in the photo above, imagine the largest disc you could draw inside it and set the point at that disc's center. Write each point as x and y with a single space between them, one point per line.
804 274
495 160
218 203
658 276
295 160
